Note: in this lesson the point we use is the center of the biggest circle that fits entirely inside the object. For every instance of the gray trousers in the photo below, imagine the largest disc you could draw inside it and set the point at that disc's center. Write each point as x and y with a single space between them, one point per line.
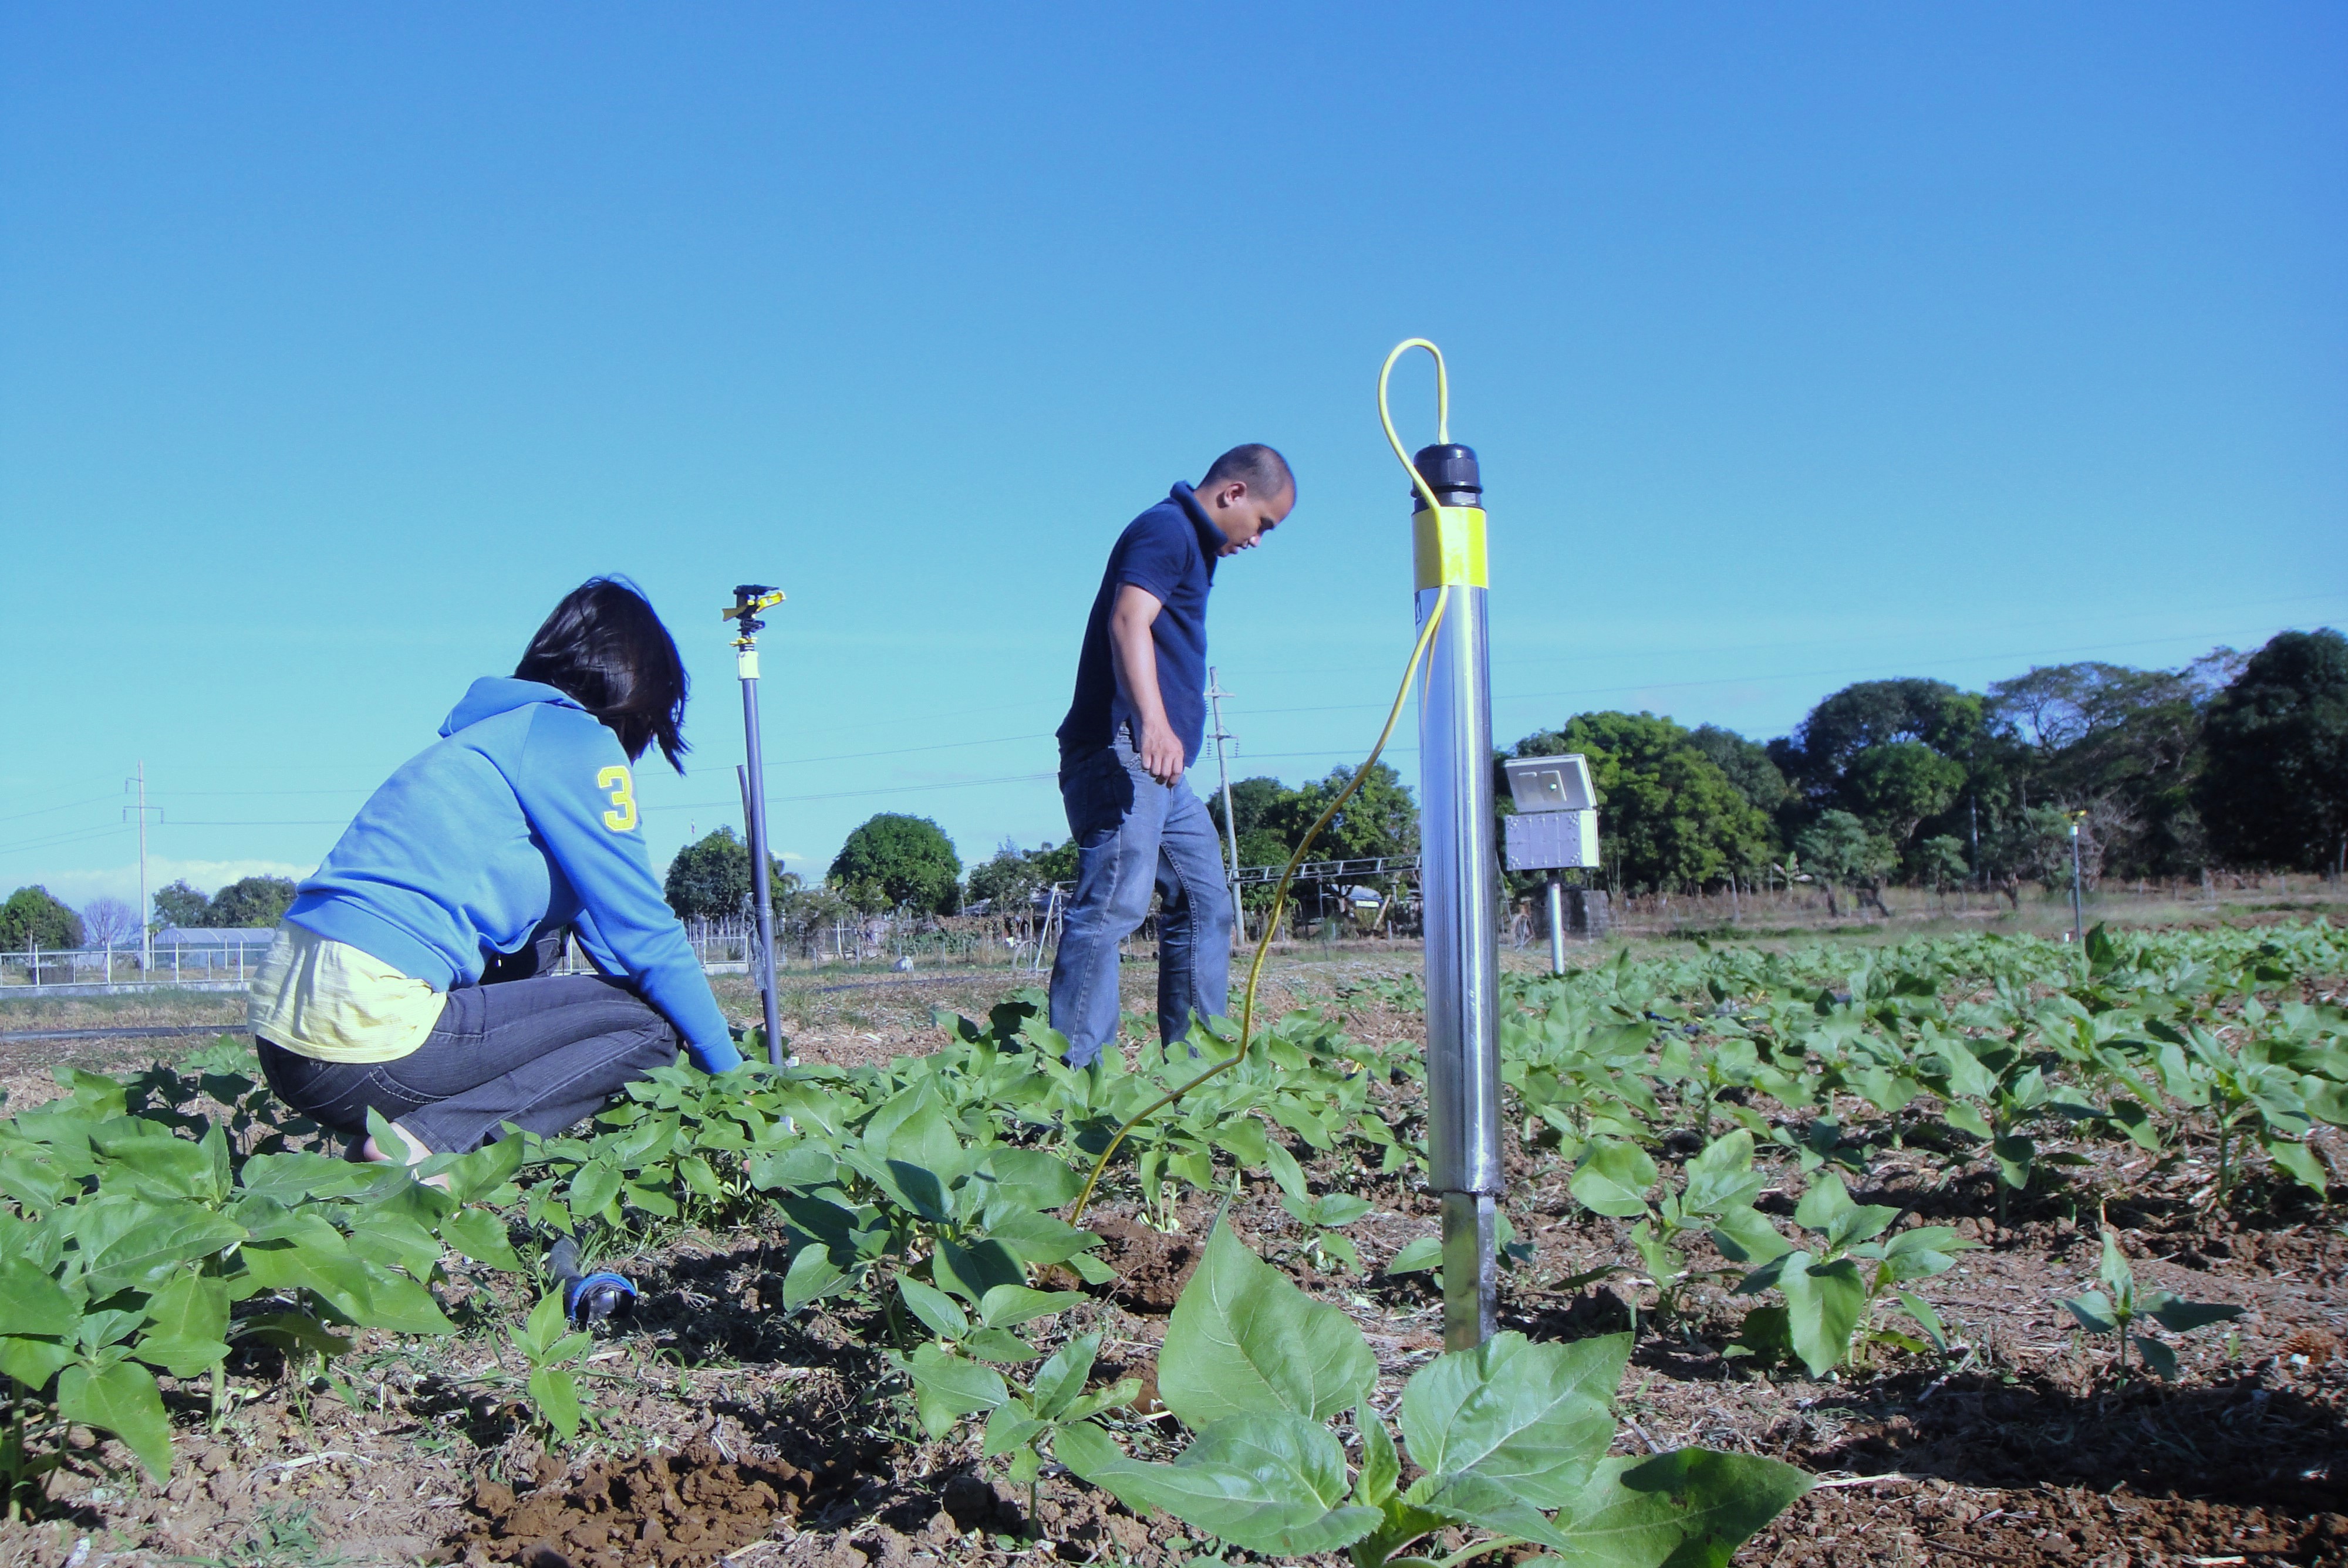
541 1053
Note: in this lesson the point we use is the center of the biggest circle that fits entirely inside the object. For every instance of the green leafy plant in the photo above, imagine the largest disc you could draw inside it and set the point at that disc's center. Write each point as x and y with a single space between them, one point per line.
137 1241
1614 1178
1511 1438
552 1347
2122 1312
1834 1286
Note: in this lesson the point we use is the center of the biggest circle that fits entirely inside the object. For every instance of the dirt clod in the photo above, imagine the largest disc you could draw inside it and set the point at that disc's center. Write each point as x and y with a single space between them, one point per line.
1151 1265
686 1511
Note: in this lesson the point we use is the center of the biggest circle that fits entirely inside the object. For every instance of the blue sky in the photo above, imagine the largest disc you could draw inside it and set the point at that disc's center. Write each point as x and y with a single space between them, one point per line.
1803 344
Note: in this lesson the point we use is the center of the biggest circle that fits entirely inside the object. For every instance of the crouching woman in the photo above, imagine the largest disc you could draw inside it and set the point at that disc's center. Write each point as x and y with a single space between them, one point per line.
405 980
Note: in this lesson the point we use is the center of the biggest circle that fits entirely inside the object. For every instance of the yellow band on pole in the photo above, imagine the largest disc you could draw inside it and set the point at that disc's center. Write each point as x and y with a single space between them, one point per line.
1449 546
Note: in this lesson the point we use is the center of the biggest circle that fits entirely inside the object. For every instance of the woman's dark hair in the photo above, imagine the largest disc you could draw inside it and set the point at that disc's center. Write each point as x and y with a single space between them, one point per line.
605 649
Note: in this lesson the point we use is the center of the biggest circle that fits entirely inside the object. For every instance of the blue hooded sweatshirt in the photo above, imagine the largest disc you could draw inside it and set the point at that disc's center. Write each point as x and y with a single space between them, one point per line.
523 815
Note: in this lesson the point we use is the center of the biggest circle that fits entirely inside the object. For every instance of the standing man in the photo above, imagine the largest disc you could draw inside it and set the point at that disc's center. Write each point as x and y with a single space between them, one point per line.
1131 733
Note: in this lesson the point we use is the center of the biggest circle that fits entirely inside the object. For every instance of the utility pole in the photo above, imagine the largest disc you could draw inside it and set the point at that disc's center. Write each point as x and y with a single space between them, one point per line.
146 927
1215 695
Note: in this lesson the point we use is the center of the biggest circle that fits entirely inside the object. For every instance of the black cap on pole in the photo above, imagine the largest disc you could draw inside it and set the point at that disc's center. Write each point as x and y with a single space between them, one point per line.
1450 472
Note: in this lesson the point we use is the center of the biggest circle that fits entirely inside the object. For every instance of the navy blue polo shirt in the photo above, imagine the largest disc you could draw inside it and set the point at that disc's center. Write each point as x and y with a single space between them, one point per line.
1168 552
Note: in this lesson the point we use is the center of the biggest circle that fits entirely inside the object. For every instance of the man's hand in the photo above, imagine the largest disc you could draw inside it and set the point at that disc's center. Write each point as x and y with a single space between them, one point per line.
1135 653
1160 753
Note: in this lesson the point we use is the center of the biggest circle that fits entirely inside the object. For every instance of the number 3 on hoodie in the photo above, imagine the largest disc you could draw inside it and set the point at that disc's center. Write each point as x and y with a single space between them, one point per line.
622 818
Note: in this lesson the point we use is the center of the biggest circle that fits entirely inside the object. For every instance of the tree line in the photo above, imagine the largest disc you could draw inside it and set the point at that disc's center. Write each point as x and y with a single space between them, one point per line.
2231 761
2237 762
2234 761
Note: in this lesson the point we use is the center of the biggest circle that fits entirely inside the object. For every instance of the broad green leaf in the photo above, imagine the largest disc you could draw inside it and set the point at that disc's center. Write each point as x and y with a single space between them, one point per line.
969 1272
1922 1311
947 1388
1967 1118
1613 1179
1031 1178
1745 1235
999 1345
1244 1340
33 1362
480 1234
1035 1237
1012 1426
1285 1170
1273 1484
1925 1251
542 1329
2094 1311
292 1332
593 1186
187 1325
1381 1466
159 1162
1531 1417
2114 1269
1059 1380
913 1130
797 1167
1009 1306
697 1174
2013 1155
31 1302
2184 1316
1243 1138
401 1304
292 1179
1114 1396
473 1177
121 1399
1722 1177
1824 1303
1826 1201
555 1393
2156 1356
2300 1162
811 1276
1690 1509
933 1306
1417 1256
1338 1209
128 1241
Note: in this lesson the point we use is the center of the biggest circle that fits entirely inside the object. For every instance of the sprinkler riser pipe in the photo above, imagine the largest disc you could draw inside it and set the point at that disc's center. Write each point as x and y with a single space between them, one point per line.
762 898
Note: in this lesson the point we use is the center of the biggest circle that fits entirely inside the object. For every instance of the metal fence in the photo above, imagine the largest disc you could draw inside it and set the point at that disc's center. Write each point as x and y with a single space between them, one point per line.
200 965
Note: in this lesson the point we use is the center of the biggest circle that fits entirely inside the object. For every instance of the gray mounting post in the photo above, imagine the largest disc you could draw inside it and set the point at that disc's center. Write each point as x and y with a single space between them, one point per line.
1458 881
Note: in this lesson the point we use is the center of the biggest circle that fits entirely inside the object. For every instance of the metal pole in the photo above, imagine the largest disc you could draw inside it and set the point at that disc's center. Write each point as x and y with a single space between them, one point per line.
749 598
746 663
2078 918
1215 695
1556 924
1454 738
146 929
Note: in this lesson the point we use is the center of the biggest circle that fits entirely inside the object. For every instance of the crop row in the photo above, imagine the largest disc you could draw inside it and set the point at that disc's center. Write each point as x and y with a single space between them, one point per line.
150 1226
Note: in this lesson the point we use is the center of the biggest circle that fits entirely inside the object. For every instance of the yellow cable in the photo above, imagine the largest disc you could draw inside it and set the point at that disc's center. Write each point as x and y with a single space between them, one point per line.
1288 873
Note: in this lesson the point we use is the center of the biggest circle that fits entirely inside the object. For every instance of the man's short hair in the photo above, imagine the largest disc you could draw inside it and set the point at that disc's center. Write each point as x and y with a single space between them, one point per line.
1259 467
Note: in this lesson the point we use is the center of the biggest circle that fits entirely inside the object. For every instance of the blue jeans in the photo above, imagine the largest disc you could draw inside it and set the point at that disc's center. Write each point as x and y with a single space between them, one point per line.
1134 837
